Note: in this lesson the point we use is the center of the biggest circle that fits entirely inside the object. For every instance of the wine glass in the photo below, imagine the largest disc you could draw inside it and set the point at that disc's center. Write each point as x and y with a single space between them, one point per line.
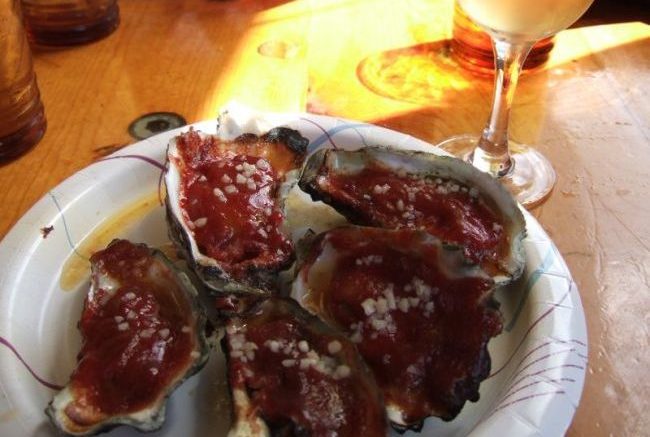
514 27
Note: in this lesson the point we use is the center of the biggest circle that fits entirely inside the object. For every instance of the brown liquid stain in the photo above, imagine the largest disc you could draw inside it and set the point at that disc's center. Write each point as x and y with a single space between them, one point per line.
9 415
77 268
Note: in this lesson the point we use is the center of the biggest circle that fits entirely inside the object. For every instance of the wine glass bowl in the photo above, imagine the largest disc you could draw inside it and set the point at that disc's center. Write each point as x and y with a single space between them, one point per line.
514 27
523 20
471 47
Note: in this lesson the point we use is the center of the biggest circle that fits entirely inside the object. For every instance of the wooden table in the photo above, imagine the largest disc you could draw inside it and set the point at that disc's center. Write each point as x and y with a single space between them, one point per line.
587 110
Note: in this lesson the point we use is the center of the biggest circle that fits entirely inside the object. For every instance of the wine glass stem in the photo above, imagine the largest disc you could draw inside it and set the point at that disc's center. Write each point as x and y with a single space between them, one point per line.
491 155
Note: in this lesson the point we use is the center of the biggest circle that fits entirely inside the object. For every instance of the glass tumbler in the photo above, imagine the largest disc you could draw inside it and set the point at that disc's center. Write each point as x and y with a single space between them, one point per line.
471 46
22 121
69 22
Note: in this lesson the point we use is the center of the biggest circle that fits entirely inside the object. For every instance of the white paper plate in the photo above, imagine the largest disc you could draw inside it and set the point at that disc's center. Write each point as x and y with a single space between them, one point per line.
538 362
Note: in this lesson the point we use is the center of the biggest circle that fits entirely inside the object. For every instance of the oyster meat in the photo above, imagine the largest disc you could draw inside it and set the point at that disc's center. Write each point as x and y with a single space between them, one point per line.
292 375
143 334
447 197
420 315
225 206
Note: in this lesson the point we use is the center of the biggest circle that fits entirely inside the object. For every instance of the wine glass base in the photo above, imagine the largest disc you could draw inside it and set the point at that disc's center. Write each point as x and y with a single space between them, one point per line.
531 176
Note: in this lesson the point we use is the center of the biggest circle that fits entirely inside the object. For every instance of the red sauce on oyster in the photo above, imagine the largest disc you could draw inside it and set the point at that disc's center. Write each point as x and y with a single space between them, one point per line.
228 200
302 379
447 209
138 335
421 330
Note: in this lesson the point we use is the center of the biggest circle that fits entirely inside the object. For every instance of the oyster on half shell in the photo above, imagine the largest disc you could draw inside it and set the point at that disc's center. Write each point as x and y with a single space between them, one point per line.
420 315
444 196
225 206
143 334
290 374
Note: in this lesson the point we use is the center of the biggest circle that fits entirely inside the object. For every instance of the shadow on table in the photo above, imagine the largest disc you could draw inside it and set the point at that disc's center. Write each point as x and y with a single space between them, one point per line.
425 75
615 11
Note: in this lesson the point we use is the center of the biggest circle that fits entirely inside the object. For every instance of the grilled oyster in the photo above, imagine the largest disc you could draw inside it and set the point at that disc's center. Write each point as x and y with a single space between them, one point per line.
224 206
447 197
421 317
143 334
292 375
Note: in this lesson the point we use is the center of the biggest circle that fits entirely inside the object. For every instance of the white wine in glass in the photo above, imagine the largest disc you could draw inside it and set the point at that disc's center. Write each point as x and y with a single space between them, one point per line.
514 27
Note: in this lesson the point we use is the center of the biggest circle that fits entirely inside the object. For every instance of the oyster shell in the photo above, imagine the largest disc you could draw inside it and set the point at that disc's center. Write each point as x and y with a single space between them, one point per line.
225 206
143 334
448 198
291 374
420 315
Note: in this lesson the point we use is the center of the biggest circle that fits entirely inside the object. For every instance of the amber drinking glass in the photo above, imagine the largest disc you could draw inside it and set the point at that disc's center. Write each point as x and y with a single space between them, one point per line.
514 26
69 22
22 121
